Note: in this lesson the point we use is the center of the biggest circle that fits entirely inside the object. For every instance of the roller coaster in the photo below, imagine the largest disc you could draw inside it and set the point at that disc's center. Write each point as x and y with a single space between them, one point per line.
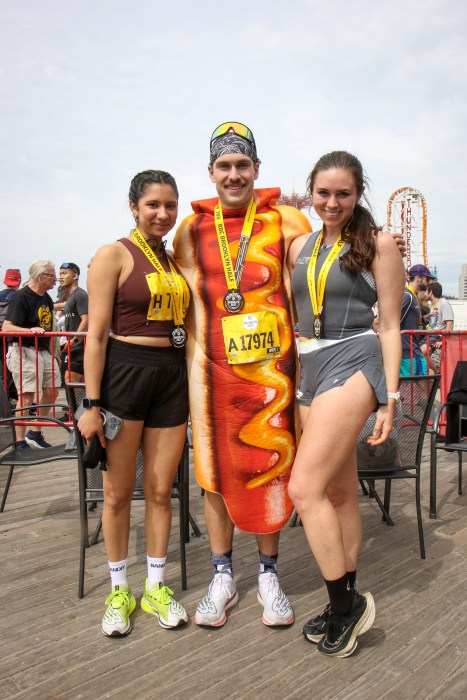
407 216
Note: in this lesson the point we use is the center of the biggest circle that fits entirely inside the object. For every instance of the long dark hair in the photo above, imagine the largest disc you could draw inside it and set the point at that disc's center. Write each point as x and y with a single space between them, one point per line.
360 230
149 177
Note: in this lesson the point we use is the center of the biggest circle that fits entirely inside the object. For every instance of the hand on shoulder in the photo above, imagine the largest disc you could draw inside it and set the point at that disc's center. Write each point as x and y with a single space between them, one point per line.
295 248
386 242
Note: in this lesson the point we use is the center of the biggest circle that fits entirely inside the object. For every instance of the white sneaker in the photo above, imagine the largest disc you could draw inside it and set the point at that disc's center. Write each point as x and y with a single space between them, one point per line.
120 604
222 594
276 607
158 601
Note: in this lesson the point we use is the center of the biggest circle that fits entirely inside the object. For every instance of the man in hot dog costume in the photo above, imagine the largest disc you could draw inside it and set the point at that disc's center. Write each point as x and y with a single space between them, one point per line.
241 365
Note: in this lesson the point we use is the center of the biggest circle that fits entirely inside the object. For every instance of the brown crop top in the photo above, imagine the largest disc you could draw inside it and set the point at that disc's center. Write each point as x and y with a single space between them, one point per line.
133 298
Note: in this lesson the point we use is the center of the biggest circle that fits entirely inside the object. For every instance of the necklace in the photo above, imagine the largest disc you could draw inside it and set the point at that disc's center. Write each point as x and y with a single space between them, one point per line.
156 245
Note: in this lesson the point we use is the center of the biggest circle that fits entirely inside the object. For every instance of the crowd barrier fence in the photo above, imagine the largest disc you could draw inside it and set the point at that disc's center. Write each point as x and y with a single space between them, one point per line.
453 349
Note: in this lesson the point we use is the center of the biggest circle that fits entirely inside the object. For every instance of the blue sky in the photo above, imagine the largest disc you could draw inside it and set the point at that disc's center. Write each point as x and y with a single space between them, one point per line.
97 91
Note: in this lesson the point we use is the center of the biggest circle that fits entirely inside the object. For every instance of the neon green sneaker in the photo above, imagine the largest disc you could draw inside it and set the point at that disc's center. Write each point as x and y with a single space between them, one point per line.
159 602
120 604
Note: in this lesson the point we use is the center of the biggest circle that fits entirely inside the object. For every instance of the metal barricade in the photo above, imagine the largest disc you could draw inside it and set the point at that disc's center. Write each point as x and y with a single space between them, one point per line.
31 341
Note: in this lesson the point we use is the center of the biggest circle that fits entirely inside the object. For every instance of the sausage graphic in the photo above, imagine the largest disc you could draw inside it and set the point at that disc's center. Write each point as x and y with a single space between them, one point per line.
243 415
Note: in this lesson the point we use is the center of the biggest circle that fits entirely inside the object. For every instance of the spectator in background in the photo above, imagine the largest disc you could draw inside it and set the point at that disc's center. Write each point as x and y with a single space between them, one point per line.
59 325
413 361
439 318
12 281
75 313
31 309
424 305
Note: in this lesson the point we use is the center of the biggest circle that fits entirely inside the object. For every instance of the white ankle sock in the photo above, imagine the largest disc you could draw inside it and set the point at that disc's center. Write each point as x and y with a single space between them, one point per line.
118 572
156 569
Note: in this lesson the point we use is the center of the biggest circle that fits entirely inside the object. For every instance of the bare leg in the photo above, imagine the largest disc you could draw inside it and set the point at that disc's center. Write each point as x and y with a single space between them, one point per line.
48 396
219 525
162 449
268 544
343 495
326 458
119 482
24 401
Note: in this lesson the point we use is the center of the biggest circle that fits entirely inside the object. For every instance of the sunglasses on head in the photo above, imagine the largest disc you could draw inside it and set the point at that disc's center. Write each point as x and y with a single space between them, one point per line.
237 128
68 266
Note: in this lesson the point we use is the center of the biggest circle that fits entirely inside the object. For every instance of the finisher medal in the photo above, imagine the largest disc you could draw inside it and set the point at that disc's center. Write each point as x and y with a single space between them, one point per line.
178 337
233 301
317 327
316 287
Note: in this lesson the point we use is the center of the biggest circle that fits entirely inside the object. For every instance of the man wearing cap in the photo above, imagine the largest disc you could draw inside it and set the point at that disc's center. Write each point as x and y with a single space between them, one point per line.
241 363
440 318
75 313
12 281
31 309
413 360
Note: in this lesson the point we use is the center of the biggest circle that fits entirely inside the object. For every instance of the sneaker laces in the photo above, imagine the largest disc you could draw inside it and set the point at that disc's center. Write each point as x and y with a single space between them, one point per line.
118 599
221 584
337 626
325 614
272 585
162 594
274 590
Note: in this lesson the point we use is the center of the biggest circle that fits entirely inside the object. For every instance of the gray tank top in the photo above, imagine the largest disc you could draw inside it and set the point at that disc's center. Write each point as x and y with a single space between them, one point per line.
348 299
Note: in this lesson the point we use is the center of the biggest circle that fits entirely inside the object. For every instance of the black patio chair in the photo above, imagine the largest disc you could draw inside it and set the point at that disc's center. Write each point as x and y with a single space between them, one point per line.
91 493
11 456
454 412
400 456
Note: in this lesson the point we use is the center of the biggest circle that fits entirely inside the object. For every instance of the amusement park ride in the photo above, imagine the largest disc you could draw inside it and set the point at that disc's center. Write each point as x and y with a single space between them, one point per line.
406 216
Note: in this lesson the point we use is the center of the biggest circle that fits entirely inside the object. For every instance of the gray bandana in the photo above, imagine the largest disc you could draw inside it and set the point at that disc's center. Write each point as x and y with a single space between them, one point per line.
231 143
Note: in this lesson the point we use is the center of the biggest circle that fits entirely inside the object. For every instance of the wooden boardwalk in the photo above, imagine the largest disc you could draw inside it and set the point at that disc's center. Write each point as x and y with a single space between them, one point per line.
52 645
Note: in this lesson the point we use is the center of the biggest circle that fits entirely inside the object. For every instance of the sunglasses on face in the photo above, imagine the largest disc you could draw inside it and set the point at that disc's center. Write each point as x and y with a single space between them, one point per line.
237 128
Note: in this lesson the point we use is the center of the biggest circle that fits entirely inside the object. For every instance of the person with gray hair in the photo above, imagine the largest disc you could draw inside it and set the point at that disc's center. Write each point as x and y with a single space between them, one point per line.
31 309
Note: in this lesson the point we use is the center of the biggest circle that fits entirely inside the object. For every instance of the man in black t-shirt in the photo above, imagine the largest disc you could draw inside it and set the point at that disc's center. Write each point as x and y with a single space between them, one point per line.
31 309
75 312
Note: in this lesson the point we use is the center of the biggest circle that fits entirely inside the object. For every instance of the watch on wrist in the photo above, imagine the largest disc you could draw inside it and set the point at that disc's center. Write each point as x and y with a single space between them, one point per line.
90 403
394 395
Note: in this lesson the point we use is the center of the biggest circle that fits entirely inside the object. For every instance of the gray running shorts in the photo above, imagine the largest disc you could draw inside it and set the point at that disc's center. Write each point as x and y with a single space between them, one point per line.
331 366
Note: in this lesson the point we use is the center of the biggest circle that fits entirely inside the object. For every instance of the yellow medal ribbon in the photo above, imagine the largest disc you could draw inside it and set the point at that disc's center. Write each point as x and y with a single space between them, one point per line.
174 281
234 276
317 289
413 293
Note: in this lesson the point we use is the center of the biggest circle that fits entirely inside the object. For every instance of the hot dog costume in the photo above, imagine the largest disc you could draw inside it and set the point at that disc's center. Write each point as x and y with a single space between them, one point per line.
243 415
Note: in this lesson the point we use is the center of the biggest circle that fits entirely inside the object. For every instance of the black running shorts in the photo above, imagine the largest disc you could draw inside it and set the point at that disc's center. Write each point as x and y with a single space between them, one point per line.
141 382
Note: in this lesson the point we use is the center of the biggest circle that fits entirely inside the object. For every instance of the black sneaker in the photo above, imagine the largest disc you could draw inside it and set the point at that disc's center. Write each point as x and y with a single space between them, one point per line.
22 445
341 636
36 440
315 629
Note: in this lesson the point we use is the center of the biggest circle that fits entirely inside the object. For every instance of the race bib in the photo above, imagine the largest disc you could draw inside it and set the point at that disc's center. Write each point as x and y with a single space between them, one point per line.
251 337
160 307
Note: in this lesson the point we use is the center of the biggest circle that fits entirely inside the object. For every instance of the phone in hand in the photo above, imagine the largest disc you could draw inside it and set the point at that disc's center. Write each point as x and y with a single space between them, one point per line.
112 423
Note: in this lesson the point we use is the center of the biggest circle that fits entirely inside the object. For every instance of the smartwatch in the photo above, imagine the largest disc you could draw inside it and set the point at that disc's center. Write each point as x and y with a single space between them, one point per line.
394 395
89 403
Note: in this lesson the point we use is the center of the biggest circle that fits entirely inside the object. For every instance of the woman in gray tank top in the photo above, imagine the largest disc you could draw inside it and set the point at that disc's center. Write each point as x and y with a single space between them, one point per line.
346 373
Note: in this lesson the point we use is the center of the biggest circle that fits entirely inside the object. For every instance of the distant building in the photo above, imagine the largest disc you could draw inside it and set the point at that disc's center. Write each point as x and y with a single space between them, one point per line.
459 306
463 283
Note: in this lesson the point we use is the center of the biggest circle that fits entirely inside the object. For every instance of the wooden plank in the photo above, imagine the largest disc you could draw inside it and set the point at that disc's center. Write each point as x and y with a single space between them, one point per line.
53 647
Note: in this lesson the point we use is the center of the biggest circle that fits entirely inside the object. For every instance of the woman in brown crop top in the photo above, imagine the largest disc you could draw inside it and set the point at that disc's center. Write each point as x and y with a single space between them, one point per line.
135 367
